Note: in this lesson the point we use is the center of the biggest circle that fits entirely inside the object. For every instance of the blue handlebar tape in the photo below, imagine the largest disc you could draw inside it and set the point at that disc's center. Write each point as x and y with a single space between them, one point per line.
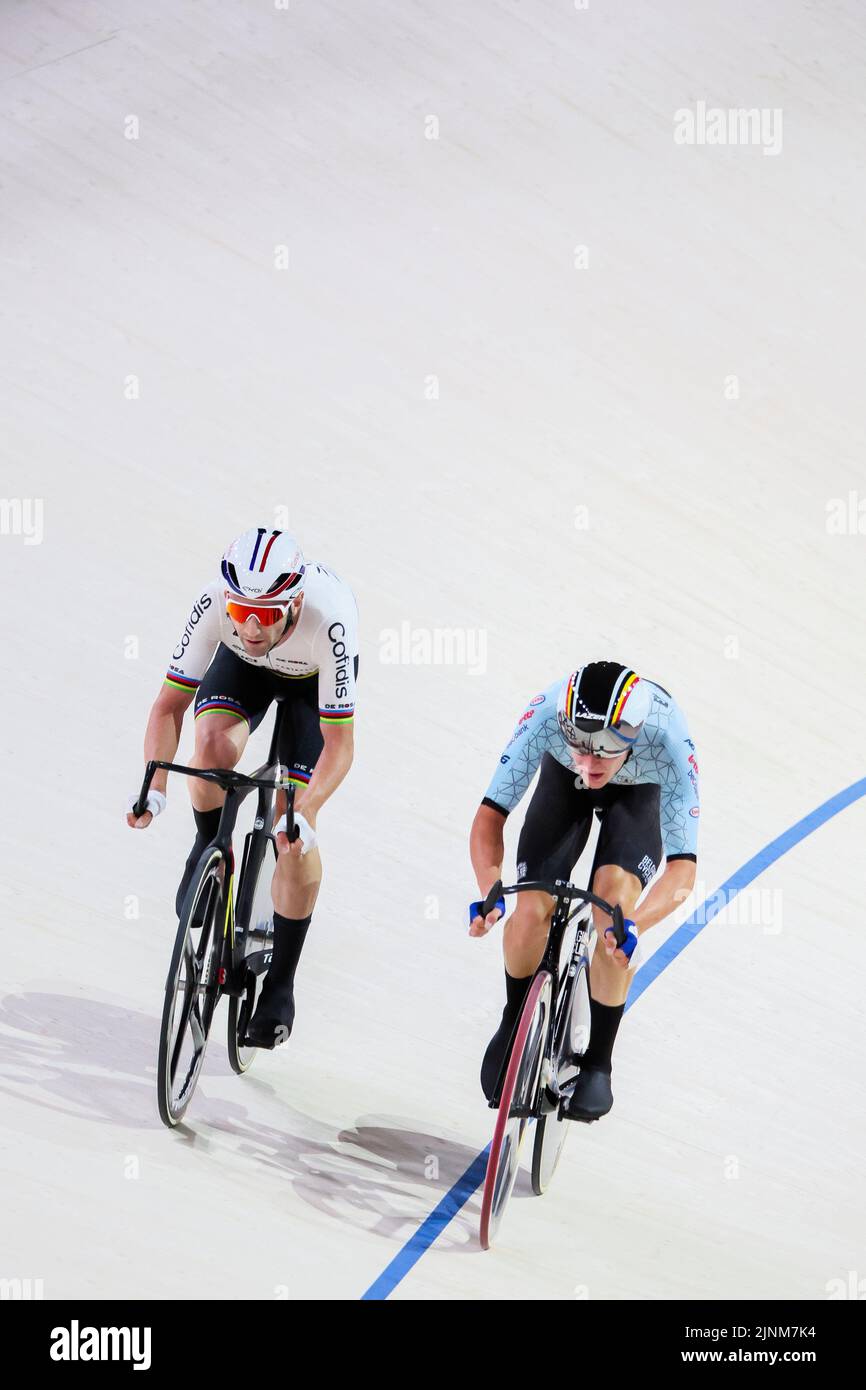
475 908
631 938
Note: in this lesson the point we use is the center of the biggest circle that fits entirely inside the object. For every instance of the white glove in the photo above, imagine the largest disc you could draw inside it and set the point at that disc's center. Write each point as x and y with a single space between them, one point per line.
155 803
308 834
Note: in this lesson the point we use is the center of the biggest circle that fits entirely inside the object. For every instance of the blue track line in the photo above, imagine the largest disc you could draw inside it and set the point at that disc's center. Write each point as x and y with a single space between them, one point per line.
426 1234
463 1189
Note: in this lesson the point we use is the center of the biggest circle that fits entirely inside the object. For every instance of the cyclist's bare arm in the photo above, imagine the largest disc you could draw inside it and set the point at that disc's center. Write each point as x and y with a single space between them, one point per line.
667 894
487 851
162 737
164 724
334 762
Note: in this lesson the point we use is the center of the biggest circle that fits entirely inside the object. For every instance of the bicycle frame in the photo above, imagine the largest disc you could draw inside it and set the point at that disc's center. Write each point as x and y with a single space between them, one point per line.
237 787
565 894
532 1084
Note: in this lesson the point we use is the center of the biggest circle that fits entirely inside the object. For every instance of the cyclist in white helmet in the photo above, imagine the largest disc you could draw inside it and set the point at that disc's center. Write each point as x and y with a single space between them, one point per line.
611 744
273 625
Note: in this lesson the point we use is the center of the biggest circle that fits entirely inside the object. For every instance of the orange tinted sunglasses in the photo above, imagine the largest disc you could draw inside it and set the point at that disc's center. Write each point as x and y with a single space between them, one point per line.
240 612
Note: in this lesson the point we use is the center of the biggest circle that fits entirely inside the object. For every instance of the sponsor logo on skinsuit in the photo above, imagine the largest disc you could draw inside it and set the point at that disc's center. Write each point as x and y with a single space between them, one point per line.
539 700
198 611
646 868
695 811
530 714
336 632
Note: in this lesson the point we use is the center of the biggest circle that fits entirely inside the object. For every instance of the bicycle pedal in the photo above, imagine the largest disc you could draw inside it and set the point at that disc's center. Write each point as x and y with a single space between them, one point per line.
570 1059
520 1112
549 1101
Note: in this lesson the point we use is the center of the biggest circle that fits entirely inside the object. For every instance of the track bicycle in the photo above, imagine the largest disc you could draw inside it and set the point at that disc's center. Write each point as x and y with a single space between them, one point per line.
224 939
550 1037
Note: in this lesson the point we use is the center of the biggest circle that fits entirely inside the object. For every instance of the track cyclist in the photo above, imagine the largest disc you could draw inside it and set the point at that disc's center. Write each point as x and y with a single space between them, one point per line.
273 626
608 742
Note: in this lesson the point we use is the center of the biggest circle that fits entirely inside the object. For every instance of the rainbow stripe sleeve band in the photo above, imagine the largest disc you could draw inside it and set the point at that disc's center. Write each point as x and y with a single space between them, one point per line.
181 682
208 706
342 716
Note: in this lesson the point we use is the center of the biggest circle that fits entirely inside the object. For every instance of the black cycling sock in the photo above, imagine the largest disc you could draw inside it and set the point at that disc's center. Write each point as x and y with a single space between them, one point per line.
515 992
605 1020
206 827
207 823
289 936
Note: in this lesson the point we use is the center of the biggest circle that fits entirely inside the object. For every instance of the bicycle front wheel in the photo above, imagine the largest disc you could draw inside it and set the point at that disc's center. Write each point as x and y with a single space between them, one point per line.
517 1104
192 988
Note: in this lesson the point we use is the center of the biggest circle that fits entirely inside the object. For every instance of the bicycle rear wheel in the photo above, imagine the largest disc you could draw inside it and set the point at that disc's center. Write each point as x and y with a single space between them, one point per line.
192 988
517 1104
571 1037
253 943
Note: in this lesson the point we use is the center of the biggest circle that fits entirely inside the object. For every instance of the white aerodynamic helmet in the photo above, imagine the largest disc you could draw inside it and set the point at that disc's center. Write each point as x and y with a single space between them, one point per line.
263 564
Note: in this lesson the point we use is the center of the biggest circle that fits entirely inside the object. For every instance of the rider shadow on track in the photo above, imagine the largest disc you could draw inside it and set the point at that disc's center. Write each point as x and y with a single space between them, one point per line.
383 1174
81 1057
97 1060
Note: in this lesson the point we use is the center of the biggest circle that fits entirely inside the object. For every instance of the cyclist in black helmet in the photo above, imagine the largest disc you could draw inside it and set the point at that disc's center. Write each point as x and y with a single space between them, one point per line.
606 741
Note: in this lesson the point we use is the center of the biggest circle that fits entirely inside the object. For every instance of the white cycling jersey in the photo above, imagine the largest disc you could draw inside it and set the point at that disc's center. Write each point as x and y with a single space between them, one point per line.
325 640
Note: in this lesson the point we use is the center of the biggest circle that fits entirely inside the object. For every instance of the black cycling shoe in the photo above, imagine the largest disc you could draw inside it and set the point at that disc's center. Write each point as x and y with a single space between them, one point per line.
494 1057
265 1032
592 1096
272 1022
190 867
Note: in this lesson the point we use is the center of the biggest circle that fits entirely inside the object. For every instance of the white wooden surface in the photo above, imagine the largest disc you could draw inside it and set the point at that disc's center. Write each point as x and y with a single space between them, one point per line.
705 561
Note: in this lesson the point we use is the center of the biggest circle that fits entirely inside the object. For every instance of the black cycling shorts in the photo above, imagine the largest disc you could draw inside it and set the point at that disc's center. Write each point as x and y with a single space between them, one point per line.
247 692
559 820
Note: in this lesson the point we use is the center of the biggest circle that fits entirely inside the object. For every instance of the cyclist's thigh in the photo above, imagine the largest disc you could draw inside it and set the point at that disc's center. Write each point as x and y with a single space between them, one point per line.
630 837
231 700
557 824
